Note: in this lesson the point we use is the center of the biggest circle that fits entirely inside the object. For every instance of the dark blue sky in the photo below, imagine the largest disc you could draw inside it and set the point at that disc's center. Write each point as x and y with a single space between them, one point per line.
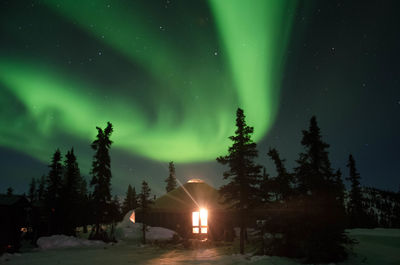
342 66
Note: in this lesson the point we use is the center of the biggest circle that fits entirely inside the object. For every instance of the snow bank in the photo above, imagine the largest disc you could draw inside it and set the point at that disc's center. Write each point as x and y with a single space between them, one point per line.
133 231
374 232
63 241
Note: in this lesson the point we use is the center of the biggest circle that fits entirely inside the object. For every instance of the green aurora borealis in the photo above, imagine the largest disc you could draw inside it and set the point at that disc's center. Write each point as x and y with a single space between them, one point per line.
180 103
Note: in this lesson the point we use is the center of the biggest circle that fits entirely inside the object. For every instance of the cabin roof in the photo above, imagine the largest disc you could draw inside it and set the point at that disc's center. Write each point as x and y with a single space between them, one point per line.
190 196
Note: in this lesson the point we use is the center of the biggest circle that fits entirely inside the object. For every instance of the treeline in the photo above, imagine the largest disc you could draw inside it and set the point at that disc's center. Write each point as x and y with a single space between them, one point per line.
301 213
62 200
382 208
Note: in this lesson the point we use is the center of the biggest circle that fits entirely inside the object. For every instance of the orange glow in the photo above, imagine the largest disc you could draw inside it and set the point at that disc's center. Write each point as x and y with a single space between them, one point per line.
132 217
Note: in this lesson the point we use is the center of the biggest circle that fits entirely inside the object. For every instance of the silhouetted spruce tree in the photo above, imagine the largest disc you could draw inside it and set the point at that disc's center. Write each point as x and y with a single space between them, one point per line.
265 188
283 180
32 193
320 227
41 188
71 193
340 189
355 207
144 204
101 177
130 201
171 179
54 192
244 175
84 210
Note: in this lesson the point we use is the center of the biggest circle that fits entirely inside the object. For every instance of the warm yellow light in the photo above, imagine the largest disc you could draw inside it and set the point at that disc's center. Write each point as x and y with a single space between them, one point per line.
195 181
203 217
199 221
195 218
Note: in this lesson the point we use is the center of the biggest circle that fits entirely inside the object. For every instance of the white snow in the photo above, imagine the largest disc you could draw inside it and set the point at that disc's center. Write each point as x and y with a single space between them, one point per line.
376 247
127 230
63 241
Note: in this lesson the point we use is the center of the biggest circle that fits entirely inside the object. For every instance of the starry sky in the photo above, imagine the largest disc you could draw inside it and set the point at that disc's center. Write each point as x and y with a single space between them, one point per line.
170 74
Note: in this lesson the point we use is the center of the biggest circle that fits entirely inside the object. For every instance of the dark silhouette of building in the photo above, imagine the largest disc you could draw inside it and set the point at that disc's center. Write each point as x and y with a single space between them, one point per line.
14 219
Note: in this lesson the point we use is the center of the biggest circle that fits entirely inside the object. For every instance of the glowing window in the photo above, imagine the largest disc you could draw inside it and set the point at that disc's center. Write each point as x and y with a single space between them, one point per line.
203 217
195 217
199 221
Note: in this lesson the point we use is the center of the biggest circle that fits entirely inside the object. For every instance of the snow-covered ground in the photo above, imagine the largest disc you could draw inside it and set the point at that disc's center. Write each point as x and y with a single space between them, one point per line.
127 230
377 246
63 241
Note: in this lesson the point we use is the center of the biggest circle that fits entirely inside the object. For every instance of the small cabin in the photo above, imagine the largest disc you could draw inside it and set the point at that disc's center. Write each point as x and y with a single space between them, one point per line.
194 210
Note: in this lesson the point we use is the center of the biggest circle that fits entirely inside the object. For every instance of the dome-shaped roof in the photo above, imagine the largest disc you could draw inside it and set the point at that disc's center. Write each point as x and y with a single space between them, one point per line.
192 195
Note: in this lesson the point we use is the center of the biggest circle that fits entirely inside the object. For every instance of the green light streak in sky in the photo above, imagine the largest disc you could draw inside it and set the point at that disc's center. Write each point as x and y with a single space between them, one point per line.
255 37
196 126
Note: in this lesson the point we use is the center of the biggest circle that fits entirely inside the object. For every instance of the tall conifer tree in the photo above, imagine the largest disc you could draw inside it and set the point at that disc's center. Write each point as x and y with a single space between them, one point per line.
71 193
144 203
244 175
321 228
53 193
355 207
32 193
101 175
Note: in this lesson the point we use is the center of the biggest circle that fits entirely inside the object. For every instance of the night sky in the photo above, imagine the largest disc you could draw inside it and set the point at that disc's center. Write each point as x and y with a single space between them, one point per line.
170 74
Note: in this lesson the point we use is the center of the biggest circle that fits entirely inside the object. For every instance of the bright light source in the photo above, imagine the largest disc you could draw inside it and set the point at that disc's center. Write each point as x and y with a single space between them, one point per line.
195 217
132 217
203 217
195 181
199 221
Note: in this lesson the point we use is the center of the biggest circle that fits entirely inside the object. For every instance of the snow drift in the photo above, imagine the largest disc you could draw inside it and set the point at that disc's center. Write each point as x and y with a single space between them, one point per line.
63 241
127 230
